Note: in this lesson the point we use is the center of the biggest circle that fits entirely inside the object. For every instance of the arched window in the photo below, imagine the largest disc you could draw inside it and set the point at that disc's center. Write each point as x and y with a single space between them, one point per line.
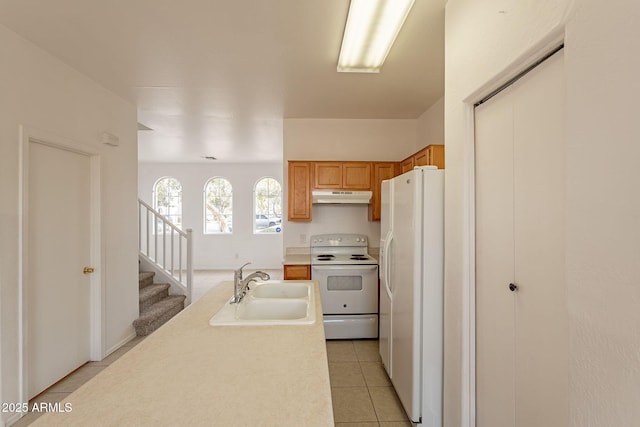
218 206
167 199
267 203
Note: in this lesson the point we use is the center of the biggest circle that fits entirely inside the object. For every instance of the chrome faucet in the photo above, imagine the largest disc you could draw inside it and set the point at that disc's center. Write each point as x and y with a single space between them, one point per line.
240 285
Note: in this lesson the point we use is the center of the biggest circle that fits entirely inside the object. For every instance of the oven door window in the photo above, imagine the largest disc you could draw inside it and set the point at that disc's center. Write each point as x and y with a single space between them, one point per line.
344 283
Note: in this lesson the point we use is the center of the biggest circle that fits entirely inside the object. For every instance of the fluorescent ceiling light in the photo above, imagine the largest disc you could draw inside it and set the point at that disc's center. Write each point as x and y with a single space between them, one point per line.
372 27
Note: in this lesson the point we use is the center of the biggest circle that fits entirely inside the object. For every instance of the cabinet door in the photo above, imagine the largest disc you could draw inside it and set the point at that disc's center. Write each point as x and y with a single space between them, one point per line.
328 175
297 272
381 171
431 155
299 191
356 176
435 155
422 157
407 165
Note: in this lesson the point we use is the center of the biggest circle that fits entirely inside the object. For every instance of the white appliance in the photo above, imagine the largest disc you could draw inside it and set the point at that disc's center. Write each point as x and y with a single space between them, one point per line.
341 197
384 269
348 280
412 281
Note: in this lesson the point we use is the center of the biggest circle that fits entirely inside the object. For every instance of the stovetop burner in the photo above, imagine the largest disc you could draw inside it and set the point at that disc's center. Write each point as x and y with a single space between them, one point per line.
340 249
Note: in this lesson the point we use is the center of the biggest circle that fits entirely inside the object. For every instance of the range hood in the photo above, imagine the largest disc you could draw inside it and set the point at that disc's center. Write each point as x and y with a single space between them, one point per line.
341 197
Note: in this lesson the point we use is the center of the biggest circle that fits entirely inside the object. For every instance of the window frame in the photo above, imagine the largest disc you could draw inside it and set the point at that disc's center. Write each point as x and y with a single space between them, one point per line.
170 216
205 210
257 231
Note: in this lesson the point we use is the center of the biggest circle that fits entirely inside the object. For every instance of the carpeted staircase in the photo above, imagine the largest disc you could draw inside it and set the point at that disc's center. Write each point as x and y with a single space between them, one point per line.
156 305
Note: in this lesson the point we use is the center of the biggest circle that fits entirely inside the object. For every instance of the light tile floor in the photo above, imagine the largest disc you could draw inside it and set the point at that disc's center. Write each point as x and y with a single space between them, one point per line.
360 388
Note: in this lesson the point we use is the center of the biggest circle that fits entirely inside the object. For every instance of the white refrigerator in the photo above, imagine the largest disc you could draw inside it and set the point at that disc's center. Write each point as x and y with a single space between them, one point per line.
411 290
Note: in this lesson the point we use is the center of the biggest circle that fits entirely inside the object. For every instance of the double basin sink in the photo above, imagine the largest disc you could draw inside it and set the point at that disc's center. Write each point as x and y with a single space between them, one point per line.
271 303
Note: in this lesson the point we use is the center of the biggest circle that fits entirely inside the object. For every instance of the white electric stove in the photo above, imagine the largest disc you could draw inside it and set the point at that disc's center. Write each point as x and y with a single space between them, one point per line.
348 278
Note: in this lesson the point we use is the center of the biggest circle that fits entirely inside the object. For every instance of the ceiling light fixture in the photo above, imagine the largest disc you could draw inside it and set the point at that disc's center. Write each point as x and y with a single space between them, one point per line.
372 27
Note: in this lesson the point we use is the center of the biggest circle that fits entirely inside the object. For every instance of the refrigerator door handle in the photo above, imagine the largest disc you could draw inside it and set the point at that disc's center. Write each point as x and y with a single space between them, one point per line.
387 261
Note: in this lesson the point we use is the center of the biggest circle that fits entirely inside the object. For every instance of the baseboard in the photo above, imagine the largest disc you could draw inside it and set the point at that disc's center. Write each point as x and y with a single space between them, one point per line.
11 420
128 338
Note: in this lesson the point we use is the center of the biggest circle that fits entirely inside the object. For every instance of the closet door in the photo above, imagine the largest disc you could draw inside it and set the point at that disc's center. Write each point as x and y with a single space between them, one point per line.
495 309
521 330
541 347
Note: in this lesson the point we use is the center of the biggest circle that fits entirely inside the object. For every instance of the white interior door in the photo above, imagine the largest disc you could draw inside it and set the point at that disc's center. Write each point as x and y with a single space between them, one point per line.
58 293
522 335
495 310
541 347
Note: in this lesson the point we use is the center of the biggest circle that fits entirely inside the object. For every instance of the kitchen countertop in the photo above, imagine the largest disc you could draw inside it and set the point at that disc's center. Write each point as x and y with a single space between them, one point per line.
297 259
190 373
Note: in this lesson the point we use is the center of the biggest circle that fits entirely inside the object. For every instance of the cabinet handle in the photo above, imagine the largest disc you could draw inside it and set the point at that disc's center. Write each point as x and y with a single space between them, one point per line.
513 287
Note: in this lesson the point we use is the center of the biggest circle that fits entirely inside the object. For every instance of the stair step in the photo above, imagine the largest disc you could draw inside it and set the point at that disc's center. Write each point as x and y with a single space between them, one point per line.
158 314
152 294
145 278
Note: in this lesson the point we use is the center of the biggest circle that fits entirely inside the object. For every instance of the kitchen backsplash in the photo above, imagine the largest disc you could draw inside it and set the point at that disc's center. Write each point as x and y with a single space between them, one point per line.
332 219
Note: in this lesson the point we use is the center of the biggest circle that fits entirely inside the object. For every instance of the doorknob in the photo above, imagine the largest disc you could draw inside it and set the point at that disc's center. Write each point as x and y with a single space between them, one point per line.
88 270
513 287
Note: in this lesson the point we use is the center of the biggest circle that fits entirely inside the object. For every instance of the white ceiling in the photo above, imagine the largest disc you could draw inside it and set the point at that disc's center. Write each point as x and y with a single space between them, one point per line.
216 77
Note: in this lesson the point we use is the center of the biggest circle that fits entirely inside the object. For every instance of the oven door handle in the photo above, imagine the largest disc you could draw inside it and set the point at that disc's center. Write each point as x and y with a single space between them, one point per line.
345 267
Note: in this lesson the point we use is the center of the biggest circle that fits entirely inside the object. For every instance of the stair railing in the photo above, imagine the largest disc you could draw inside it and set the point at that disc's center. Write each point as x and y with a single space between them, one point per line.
167 246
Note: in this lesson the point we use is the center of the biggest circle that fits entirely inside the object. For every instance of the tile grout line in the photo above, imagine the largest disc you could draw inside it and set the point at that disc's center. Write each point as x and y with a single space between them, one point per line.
369 393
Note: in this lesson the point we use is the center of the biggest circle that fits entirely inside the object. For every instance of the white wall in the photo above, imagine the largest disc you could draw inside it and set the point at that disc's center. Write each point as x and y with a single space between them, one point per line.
603 206
349 139
430 126
343 139
44 94
220 251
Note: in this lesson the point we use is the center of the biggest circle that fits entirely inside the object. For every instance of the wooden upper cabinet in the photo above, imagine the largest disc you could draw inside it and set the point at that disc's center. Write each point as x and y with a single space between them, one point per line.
421 158
307 176
299 191
342 175
431 155
327 175
356 176
406 165
381 171
435 155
